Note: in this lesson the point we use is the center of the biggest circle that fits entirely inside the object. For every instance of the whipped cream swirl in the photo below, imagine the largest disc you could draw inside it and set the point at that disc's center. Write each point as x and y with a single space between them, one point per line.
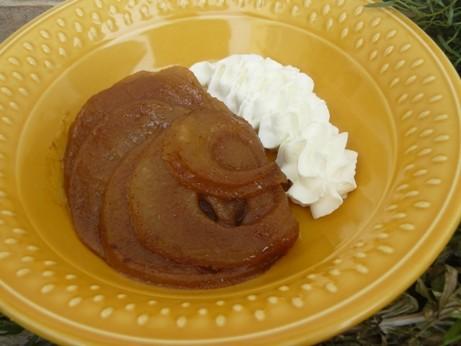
280 103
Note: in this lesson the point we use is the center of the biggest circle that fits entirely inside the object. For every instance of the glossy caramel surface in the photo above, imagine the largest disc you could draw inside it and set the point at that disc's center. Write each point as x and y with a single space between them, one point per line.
385 82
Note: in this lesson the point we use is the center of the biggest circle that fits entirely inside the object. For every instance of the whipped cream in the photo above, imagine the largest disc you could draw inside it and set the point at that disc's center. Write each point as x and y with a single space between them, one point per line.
280 103
319 166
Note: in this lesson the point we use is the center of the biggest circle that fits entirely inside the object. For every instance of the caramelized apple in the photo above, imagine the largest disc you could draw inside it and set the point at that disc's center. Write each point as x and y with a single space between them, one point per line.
169 187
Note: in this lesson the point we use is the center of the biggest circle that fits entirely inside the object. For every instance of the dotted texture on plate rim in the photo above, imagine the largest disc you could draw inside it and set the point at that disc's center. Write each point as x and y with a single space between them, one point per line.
410 82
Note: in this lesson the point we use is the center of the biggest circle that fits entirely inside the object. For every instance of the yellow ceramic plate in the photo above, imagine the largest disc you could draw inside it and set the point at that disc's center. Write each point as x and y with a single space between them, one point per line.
386 84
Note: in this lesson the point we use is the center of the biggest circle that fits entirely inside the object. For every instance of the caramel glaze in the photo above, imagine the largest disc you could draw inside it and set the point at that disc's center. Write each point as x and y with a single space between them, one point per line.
169 187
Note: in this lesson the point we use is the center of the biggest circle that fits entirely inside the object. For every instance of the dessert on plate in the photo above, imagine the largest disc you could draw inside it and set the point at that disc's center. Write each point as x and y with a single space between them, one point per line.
168 186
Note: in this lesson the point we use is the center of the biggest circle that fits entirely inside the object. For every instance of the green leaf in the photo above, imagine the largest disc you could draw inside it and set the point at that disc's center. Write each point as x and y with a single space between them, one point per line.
406 304
451 281
454 334
422 289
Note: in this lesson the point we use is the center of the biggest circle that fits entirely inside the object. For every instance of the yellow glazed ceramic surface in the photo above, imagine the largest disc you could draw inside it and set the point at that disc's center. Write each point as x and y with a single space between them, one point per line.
386 84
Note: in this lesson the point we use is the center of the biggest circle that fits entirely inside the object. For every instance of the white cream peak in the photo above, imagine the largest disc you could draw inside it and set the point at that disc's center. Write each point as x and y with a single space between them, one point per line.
280 103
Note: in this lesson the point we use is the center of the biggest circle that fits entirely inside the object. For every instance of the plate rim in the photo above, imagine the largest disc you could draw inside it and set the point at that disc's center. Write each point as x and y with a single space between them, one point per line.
451 223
